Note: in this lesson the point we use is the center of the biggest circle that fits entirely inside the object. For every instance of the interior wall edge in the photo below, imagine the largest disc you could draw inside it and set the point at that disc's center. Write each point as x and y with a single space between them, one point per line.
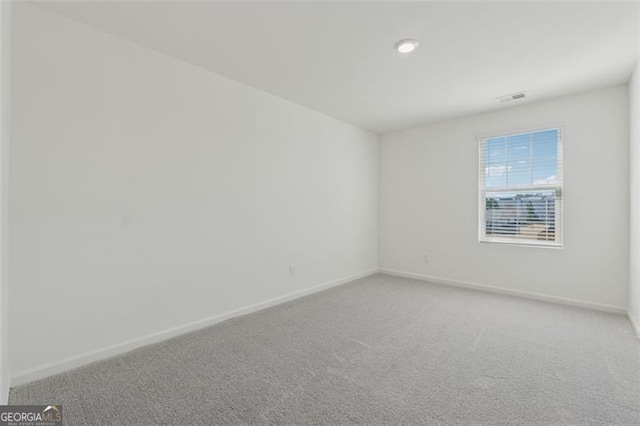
634 324
5 113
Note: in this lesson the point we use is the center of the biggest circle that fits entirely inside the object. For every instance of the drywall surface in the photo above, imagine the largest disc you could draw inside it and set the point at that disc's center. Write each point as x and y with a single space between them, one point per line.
5 108
148 193
634 164
429 201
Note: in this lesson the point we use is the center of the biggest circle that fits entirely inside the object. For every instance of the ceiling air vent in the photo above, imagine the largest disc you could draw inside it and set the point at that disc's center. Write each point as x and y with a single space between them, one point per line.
511 97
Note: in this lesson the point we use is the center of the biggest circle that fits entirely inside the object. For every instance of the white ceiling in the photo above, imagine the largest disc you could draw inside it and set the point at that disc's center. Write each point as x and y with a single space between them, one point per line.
338 57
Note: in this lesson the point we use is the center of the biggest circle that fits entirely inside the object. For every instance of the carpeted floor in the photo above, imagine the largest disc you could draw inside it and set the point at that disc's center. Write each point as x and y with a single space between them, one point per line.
378 350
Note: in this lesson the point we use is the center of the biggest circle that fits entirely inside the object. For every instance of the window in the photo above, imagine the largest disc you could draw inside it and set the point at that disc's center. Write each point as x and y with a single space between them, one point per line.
521 188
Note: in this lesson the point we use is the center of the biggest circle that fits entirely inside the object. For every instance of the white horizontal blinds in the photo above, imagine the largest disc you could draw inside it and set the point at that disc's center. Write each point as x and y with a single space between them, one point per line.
522 215
521 187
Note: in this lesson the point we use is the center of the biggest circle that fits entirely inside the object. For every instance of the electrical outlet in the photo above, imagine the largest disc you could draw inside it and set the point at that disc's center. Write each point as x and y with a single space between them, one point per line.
292 270
425 258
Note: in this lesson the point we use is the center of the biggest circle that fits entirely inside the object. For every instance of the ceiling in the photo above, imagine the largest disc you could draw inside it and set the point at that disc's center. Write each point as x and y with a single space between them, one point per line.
338 57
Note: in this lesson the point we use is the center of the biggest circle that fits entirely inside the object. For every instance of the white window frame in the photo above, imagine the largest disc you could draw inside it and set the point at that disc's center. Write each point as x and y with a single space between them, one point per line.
558 188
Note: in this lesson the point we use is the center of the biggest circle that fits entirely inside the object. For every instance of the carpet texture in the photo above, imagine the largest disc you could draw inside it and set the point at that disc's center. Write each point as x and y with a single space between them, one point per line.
380 350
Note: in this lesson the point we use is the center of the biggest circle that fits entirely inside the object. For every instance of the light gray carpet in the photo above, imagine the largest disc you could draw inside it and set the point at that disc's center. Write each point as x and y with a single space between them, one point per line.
380 350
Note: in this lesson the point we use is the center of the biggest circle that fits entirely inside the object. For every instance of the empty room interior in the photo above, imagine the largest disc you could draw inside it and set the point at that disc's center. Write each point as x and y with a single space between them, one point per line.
309 212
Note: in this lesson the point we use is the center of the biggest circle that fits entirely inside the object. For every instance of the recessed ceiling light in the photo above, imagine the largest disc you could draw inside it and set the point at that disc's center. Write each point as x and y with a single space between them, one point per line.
406 45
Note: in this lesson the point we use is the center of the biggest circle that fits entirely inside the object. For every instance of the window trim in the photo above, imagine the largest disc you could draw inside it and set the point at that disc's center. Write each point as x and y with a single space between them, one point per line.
559 207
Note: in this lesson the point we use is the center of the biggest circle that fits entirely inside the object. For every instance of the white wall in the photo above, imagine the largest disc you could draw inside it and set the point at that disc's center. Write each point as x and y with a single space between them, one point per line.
148 193
429 202
5 55
634 254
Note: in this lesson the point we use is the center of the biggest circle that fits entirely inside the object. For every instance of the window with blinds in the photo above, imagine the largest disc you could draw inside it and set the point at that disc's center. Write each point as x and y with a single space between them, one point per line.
521 188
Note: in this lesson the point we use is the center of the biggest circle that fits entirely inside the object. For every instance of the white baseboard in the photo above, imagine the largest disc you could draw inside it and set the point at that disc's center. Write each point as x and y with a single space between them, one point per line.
634 324
57 367
501 290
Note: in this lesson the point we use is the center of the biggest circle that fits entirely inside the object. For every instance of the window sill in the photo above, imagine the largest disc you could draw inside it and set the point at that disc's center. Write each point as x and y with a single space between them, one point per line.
532 244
